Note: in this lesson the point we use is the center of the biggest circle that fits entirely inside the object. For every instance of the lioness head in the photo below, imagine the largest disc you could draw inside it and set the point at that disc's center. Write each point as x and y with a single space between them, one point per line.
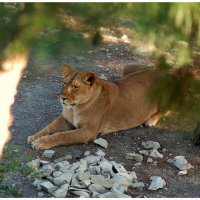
78 86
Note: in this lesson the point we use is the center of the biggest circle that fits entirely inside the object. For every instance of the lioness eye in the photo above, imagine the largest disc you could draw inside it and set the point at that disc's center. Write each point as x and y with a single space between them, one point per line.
64 84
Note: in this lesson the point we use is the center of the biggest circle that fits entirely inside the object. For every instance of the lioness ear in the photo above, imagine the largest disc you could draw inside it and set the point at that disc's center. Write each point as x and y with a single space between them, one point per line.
66 70
89 78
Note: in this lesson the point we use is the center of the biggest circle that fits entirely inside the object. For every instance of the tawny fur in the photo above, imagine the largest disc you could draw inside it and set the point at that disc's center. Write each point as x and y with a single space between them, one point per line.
92 106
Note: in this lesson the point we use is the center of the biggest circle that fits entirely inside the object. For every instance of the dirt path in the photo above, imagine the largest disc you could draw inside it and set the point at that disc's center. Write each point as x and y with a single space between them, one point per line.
37 103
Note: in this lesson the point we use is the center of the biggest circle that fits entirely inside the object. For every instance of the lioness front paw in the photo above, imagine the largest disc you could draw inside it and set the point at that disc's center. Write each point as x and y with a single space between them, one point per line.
30 139
41 143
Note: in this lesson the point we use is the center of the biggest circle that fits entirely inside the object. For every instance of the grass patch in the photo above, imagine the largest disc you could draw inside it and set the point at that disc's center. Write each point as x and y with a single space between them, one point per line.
10 162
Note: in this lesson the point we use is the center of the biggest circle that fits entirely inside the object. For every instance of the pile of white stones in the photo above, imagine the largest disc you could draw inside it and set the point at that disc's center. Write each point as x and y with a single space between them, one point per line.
95 176
92 176
150 150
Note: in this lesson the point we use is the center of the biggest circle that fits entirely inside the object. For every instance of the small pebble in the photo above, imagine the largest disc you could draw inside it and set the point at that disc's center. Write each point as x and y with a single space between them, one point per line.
48 153
149 160
40 194
138 185
181 173
87 153
102 142
100 153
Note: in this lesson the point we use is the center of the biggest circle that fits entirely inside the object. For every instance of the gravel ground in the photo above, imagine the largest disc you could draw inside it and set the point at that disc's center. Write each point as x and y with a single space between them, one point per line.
37 103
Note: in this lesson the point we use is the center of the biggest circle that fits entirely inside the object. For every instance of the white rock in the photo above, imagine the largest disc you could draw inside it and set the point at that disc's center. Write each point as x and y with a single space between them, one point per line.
122 188
64 178
46 170
82 194
137 164
47 186
92 159
155 154
75 166
83 176
123 179
48 153
76 183
118 194
95 194
118 167
180 173
64 166
102 76
164 150
37 183
100 153
87 153
101 142
144 152
97 188
170 161
133 174
61 192
150 145
83 166
105 166
181 163
156 183
100 180
134 156
44 162
149 160
155 162
77 189
106 195
138 185
57 174
97 169
68 157
40 194
50 178
92 170
86 183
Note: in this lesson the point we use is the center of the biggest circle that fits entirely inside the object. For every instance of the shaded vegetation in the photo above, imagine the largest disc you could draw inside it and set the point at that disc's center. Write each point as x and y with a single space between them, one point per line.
9 163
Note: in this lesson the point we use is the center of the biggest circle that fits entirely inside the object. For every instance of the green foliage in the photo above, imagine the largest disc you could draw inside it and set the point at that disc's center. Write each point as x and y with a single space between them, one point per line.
56 28
7 191
161 24
9 163
31 173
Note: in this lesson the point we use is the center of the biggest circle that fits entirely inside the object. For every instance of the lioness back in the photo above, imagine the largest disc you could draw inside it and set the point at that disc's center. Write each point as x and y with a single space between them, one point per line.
129 102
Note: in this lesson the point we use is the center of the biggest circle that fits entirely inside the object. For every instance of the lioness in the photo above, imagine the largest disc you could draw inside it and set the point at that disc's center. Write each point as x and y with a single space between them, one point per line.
92 106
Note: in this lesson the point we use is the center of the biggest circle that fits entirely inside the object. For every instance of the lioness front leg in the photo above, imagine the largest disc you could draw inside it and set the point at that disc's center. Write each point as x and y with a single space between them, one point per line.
76 136
57 125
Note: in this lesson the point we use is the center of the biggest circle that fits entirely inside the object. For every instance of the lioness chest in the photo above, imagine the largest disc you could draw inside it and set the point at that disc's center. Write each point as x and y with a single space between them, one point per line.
71 115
